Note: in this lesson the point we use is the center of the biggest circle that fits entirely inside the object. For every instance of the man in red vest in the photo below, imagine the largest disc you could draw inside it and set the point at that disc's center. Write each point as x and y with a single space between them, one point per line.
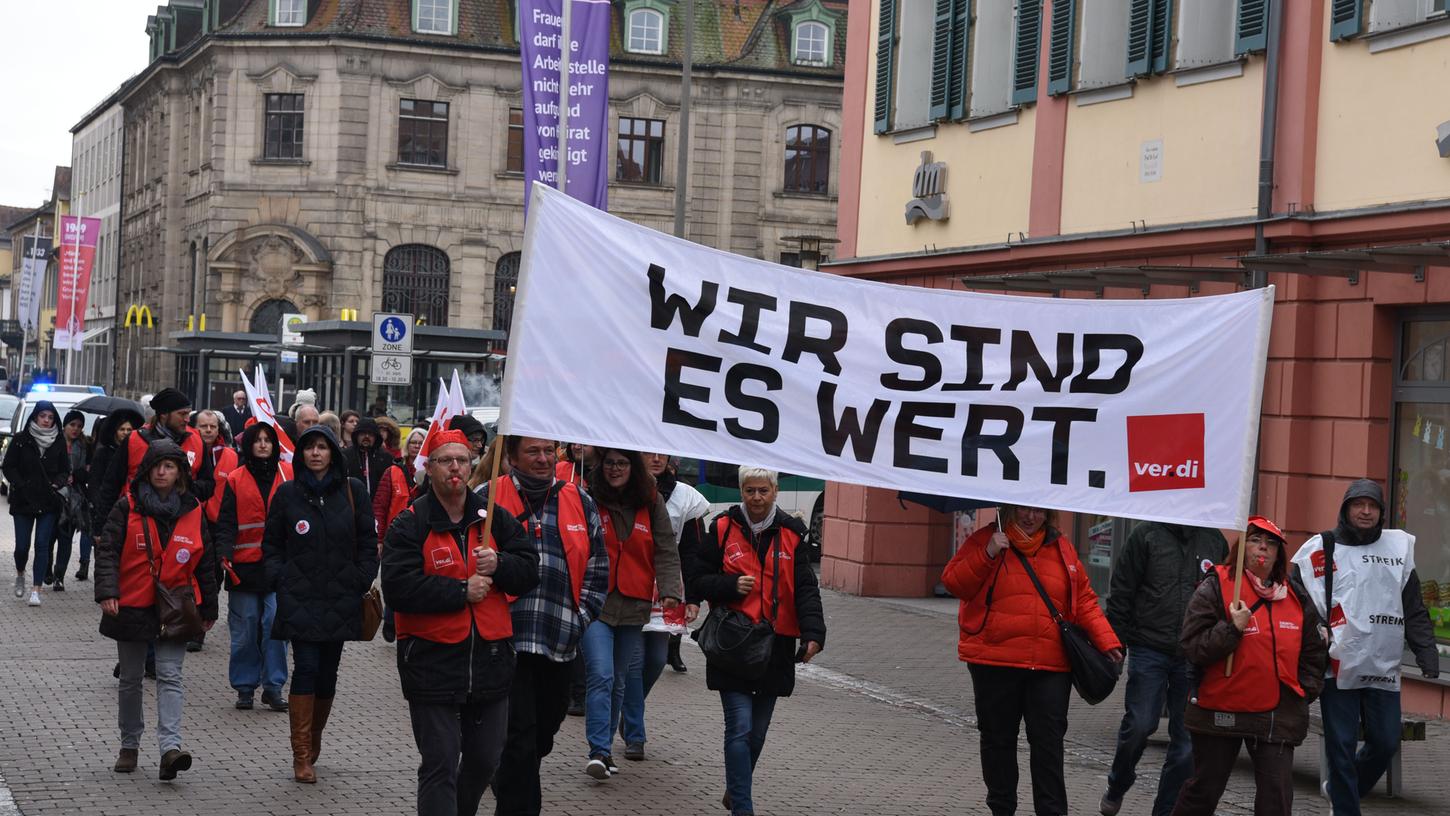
171 410
446 579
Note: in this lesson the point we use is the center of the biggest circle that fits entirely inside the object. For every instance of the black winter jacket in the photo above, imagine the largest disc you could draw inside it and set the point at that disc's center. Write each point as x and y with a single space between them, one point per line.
1154 575
136 624
35 478
476 669
708 581
250 577
378 461
320 551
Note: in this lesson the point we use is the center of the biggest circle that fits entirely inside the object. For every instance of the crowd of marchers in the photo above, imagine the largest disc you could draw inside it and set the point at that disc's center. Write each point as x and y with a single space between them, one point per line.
571 596
323 528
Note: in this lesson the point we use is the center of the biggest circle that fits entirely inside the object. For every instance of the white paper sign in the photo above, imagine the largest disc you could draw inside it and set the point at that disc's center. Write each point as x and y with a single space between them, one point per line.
1138 408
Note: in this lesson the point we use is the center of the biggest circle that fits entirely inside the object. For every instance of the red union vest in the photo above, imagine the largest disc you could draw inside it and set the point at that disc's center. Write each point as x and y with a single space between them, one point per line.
1268 654
401 494
176 559
443 556
136 446
224 461
573 526
740 559
252 511
631 561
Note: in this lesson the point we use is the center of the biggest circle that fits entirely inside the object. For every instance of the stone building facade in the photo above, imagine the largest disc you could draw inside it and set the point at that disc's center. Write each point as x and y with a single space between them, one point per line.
96 193
283 155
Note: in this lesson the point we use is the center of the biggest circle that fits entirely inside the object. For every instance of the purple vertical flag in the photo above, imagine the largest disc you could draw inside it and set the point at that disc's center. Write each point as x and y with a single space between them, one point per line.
541 24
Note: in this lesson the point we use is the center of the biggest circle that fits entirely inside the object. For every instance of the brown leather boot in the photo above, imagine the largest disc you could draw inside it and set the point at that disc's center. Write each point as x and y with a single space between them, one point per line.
126 761
320 710
300 710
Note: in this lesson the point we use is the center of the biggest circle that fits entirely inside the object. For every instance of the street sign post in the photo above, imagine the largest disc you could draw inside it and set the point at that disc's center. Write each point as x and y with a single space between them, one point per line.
292 334
392 349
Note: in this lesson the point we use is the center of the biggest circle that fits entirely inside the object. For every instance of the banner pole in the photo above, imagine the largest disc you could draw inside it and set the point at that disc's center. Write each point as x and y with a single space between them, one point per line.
71 322
492 491
563 135
1228 668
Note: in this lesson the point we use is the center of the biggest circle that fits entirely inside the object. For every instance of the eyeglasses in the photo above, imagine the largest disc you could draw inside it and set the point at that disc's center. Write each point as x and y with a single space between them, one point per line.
451 461
616 464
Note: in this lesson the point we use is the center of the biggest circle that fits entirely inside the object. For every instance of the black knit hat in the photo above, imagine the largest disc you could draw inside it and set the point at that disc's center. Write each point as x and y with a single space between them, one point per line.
168 400
73 416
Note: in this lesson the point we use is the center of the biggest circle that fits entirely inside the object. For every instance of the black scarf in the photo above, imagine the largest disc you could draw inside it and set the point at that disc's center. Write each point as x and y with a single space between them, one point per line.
534 491
263 471
153 504
316 483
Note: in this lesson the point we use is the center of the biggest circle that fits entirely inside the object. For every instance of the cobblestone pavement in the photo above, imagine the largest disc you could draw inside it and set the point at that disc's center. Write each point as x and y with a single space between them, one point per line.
880 724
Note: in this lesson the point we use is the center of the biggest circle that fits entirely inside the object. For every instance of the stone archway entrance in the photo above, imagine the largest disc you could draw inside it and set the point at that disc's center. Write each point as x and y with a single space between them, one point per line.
269 262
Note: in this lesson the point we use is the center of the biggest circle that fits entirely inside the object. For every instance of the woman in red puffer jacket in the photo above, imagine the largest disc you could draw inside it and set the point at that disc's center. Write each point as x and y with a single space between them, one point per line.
1014 650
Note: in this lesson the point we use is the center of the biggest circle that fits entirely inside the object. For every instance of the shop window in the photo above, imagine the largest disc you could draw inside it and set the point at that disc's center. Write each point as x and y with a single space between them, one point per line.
267 317
423 133
807 159
641 150
1420 483
416 280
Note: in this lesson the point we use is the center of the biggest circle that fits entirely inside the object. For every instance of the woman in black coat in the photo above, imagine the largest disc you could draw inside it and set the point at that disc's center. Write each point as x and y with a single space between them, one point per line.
36 466
320 555
766 576
111 433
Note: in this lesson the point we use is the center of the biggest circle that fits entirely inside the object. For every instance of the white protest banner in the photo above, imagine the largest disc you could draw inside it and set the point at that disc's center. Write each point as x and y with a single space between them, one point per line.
1139 408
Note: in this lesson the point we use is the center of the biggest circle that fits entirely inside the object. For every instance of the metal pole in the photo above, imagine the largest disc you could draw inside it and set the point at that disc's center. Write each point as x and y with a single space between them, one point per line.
682 160
25 332
71 338
565 41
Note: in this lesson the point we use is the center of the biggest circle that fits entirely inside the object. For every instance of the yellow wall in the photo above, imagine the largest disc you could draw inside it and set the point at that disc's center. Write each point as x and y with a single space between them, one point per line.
1377 119
1210 134
989 177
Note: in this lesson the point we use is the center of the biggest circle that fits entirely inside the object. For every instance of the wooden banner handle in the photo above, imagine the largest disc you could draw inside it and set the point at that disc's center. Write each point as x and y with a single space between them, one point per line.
1228 668
498 442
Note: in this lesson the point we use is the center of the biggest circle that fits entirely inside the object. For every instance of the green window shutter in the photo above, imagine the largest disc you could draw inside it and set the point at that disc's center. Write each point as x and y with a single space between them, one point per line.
885 63
942 49
1345 17
1162 34
1024 56
1140 37
1251 33
961 88
271 12
1060 46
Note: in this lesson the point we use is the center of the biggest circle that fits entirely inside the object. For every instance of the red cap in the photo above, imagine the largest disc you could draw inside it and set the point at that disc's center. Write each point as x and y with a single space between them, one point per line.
1267 526
438 439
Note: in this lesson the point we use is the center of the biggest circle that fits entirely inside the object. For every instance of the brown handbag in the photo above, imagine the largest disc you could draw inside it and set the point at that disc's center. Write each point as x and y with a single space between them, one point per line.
372 600
175 606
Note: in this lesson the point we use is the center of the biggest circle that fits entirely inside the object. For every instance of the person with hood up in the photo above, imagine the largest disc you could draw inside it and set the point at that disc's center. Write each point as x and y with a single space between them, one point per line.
390 436
366 460
1361 577
257 659
110 432
37 466
157 532
449 592
1271 630
170 411
320 555
74 516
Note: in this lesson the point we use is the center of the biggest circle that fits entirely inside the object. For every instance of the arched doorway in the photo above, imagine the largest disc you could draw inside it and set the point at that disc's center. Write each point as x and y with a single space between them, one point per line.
416 280
267 317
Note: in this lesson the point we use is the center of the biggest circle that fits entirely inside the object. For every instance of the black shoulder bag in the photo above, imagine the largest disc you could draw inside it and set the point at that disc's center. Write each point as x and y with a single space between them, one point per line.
175 606
735 643
1094 674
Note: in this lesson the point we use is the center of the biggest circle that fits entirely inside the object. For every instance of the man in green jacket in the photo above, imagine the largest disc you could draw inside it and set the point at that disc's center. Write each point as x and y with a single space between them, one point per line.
1154 576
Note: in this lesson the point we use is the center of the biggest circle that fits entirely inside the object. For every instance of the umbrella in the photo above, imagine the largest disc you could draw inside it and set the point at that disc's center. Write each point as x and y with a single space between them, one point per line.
943 504
105 406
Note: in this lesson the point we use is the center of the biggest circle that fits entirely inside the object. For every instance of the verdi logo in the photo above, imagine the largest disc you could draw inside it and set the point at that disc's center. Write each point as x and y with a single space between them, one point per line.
1165 452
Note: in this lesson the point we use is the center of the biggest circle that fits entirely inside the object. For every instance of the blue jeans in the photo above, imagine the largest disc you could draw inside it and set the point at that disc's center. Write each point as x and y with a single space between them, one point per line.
608 652
257 659
43 526
644 670
1352 775
747 718
1153 677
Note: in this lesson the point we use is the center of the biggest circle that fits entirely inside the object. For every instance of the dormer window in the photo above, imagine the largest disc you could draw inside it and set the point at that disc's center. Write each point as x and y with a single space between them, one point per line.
434 17
289 12
646 32
812 44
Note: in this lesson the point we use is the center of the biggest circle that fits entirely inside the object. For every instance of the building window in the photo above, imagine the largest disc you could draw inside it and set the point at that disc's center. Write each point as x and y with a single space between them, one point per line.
812 44
514 161
267 317
991 53
423 133
912 77
807 159
641 150
646 32
1205 33
284 127
433 16
1101 44
1418 495
505 283
289 12
416 281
